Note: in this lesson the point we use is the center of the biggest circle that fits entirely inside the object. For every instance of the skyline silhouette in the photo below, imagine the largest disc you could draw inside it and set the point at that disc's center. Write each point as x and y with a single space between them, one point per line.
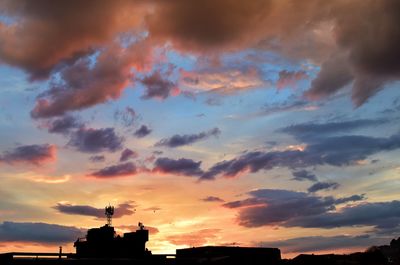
104 246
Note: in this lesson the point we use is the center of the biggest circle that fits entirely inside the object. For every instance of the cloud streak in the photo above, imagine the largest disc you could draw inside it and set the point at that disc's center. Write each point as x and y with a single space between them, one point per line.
181 166
323 186
42 233
119 170
187 139
121 210
30 154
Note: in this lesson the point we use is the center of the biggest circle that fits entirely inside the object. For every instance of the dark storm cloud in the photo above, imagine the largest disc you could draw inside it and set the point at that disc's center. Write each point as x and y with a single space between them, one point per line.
312 131
334 75
127 154
318 243
64 124
182 166
120 170
30 154
323 186
334 151
187 139
157 86
212 199
91 140
299 209
38 232
368 48
142 131
121 210
304 175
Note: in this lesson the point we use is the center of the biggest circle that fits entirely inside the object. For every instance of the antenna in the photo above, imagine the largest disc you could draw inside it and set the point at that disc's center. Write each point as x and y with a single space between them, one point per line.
141 226
109 212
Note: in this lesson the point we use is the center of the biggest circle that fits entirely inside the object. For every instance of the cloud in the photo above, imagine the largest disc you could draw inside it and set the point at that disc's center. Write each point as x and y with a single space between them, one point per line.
222 80
212 199
64 124
334 75
319 243
29 42
182 166
38 232
323 186
381 215
206 25
334 151
120 210
289 78
195 238
351 198
366 50
158 87
180 140
91 140
97 158
30 154
298 209
127 154
127 117
316 30
304 175
142 131
357 50
120 170
311 131
83 86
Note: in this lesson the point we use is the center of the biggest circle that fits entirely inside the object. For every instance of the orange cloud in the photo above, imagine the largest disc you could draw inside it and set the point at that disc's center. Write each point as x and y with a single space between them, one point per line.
221 80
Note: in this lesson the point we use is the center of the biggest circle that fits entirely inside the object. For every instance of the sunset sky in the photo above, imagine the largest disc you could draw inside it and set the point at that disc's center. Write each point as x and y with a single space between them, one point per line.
268 123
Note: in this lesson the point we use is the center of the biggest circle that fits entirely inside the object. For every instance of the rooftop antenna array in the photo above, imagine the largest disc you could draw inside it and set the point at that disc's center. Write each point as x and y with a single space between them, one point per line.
109 212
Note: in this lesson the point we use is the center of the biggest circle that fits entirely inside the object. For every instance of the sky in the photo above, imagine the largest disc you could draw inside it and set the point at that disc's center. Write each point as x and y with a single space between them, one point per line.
269 123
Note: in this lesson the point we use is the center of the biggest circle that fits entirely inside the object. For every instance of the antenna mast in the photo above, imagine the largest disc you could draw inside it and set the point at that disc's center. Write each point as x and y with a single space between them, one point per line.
109 212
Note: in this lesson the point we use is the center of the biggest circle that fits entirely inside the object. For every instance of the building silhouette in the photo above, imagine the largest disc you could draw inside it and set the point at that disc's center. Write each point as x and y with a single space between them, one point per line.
104 243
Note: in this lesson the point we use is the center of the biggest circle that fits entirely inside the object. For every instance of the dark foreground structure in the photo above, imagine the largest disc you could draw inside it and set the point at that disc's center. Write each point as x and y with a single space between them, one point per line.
103 243
102 246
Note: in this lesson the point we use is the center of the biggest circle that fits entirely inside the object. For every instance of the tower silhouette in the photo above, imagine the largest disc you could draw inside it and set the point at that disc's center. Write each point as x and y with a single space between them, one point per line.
109 212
